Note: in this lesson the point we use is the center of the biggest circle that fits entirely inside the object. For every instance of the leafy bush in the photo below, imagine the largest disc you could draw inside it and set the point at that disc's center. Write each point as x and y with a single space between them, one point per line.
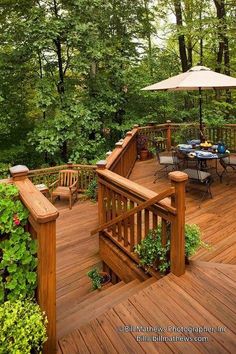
92 190
4 170
96 278
153 254
23 327
17 249
193 240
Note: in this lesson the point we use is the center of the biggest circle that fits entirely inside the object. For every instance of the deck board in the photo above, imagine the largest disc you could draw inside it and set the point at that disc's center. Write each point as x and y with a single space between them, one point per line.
194 301
216 217
77 252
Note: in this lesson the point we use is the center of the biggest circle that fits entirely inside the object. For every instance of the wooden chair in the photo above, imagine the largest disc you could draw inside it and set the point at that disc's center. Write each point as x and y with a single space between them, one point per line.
65 186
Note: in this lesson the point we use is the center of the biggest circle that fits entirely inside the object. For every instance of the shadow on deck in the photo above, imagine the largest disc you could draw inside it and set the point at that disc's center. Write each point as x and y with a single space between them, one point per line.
204 296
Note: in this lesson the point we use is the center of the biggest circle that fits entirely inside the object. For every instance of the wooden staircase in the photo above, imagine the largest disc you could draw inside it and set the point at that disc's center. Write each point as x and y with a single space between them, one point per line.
204 297
97 302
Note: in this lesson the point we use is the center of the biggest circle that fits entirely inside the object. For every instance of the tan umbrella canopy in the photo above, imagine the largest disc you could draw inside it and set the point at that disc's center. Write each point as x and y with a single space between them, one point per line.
197 78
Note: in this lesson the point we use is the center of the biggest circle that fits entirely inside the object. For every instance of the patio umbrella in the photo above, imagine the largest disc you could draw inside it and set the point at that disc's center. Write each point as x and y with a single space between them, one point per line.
197 78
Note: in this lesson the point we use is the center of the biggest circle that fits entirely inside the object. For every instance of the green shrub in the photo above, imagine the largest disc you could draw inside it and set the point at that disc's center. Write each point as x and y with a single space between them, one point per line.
4 170
153 254
17 249
92 190
193 239
96 278
23 327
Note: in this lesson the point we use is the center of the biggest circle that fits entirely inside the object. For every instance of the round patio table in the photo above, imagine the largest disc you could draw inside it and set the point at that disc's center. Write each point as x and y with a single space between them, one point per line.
202 157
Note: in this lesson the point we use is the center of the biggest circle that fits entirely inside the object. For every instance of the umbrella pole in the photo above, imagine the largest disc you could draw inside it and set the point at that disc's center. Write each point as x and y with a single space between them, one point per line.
202 138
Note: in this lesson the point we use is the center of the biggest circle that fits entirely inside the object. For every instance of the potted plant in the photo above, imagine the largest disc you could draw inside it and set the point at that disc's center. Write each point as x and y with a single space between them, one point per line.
98 278
142 147
153 254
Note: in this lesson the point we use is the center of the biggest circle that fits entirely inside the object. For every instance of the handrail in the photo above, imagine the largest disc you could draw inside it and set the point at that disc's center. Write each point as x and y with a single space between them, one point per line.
146 204
132 187
42 226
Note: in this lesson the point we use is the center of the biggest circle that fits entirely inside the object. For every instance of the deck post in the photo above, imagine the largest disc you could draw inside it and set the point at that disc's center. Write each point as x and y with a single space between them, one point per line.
177 244
168 135
42 226
101 165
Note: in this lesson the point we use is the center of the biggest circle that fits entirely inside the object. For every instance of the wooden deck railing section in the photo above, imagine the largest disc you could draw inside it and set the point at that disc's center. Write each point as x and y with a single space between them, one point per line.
226 133
127 211
42 226
123 157
49 175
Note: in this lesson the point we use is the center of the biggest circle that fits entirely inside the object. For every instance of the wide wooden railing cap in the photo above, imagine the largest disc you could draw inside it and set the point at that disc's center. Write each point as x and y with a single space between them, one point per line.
38 205
178 176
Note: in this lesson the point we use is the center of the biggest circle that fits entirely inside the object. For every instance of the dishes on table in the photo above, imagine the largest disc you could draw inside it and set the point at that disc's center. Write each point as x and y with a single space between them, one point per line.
185 146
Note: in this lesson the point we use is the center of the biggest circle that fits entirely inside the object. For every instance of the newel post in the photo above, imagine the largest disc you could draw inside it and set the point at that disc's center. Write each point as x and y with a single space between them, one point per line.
42 226
168 135
177 245
101 165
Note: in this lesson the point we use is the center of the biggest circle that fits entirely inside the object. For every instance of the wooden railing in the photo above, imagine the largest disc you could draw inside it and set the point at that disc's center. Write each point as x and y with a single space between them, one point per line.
226 133
123 157
49 175
128 211
42 227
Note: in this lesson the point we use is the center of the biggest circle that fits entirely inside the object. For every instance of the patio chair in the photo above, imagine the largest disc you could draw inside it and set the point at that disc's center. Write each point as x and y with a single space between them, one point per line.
165 161
198 177
65 186
227 162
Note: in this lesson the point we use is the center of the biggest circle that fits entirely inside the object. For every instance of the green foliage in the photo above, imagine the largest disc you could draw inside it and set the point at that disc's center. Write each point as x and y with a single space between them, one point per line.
193 240
4 170
184 134
96 278
17 249
153 254
23 327
92 190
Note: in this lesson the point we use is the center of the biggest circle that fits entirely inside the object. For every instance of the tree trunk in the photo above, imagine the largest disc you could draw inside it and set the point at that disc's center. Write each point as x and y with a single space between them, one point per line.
223 49
181 38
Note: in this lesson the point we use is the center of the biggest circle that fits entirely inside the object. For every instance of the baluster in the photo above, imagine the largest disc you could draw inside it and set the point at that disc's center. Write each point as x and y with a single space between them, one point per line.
154 221
119 211
131 220
146 222
139 227
125 221
113 211
163 232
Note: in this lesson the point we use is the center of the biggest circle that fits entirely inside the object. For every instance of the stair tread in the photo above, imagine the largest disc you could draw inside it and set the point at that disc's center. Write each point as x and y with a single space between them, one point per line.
88 298
84 314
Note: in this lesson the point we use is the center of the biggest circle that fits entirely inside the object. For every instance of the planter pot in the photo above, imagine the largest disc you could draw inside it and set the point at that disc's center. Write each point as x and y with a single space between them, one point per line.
144 155
106 278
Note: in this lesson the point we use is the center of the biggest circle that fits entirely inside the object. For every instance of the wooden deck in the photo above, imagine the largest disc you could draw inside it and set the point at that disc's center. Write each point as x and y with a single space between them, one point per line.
77 253
216 217
205 295
202 300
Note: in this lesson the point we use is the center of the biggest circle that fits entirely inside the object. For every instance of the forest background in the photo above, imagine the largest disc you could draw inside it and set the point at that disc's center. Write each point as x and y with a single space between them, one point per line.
72 72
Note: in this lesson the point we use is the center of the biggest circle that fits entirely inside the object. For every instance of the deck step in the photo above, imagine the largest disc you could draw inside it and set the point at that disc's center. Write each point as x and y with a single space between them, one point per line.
98 303
202 297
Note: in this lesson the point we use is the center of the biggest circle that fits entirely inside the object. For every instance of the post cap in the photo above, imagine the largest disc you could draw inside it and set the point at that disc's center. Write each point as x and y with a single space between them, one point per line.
168 121
129 133
19 171
119 144
108 153
136 125
101 164
178 176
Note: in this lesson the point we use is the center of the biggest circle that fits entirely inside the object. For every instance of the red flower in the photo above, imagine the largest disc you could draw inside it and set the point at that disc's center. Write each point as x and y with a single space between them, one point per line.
16 220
